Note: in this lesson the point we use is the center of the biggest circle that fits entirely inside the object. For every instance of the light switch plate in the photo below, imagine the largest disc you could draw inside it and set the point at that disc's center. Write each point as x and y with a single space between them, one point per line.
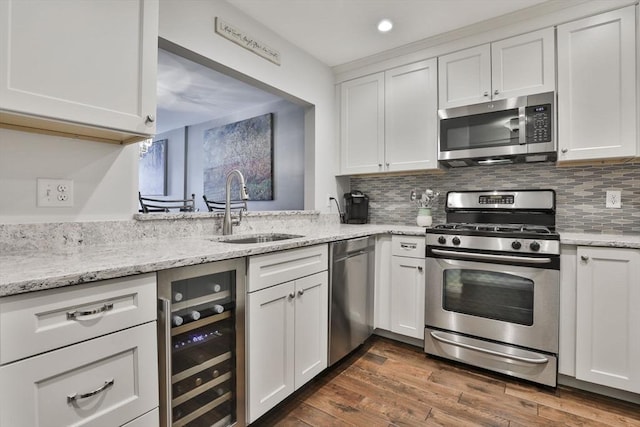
54 192
614 199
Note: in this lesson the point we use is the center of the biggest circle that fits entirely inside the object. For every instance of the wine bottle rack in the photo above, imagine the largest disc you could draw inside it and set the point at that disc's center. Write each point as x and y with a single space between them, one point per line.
205 299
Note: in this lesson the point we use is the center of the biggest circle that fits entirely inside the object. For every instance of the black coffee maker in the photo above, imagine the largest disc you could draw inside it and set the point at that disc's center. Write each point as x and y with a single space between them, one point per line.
356 208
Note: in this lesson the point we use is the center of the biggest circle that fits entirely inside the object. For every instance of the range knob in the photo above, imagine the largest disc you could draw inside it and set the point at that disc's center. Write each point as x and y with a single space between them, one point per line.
456 241
516 245
442 240
534 246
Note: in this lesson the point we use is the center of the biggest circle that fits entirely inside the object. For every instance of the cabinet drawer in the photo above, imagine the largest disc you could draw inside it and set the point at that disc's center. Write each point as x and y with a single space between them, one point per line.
41 321
270 269
409 246
106 381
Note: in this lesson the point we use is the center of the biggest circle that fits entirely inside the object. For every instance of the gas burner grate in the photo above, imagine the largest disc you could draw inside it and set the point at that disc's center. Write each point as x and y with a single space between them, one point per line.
496 228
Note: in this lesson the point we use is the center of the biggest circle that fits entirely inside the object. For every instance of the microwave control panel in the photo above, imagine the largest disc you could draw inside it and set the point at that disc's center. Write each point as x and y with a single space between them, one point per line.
538 123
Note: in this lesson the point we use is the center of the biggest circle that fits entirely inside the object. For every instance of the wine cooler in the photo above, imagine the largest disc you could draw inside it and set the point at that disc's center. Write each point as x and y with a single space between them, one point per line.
201 344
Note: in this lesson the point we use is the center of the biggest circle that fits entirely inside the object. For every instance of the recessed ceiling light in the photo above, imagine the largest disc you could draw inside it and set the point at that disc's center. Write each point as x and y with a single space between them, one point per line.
385 25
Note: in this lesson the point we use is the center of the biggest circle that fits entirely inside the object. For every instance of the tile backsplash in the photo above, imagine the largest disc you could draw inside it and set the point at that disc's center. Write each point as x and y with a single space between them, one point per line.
580 193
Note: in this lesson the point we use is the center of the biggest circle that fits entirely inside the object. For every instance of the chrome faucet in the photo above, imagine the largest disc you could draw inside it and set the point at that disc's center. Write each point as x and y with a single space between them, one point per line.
227 225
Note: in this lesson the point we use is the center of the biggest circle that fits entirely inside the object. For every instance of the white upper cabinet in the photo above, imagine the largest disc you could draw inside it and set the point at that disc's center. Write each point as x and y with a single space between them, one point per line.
389 120
465 77
75 67
517 66
362 124
597 87
411 117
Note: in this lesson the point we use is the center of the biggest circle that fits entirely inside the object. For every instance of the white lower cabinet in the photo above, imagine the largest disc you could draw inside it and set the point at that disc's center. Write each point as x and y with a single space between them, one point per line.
407 286
287 333
83 355
105 381
607 317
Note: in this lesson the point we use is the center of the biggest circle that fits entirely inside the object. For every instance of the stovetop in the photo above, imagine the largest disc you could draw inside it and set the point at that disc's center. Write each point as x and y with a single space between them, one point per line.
495 228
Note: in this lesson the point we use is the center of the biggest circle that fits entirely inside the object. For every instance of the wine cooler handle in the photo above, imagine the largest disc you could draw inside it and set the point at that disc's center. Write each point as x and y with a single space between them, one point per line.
166 315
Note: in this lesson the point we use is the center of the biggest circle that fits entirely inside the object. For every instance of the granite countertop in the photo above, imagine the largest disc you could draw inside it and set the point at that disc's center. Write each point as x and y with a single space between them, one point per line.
37 270
28 271
607 240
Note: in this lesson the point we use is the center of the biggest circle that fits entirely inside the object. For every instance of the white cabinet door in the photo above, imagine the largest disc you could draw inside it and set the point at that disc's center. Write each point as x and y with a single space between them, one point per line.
311 327
270 347
79 62
411 105
465 77
517 66
597 87
607 317
523 65
407 296
362 125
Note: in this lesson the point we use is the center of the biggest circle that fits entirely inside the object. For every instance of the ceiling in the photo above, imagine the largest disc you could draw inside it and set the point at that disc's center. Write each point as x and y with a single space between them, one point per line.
341 31
190 93
334 31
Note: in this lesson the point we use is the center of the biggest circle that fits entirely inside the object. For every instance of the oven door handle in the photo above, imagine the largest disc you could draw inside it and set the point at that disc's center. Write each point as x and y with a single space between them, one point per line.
536 361
490 257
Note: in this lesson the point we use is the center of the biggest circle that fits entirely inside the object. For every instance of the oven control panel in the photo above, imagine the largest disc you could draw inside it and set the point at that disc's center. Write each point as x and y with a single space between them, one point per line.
500 244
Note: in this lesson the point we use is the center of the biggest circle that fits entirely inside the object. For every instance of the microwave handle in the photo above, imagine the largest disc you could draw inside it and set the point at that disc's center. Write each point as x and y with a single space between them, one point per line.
522 119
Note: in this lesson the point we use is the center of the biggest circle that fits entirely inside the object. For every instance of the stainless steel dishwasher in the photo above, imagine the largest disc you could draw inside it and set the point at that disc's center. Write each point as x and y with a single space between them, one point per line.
351 295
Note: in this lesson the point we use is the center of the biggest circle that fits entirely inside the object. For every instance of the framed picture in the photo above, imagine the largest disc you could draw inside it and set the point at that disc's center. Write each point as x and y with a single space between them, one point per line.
247 146
152 170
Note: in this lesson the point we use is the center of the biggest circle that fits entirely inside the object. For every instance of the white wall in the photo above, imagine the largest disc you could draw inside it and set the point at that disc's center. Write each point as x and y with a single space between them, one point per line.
190 24
105 177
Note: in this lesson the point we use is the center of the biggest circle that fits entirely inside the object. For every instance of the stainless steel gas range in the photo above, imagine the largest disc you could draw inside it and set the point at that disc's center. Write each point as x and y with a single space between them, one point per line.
492 283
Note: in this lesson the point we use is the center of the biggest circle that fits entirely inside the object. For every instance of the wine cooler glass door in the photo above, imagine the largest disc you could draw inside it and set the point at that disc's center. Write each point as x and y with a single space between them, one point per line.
201 334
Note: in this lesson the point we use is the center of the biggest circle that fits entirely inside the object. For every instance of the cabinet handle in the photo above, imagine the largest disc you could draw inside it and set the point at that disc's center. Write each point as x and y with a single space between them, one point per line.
486 94
409 246
419 268
387 164
72 398
584 258
292 295
150 119
495 92
564 150
73 315
379 165
301 292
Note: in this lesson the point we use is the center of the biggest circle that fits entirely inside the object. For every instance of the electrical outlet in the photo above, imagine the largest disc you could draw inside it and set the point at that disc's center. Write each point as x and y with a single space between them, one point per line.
54 192
614 199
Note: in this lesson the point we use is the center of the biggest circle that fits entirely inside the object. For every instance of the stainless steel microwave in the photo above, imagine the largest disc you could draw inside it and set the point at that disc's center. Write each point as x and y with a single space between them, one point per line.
512 130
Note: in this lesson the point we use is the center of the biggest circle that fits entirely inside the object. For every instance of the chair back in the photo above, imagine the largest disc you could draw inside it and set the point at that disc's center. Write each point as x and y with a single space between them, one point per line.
235 205
149 205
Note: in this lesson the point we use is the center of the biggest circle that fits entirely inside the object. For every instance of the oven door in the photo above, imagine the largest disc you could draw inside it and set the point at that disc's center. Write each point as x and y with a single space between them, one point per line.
512 303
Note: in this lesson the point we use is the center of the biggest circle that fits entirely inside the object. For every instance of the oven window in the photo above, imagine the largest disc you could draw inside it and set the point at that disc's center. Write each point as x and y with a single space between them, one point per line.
480 131
489 294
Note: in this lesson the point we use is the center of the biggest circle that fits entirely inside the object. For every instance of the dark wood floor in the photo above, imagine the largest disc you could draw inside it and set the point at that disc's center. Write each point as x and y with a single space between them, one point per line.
386 383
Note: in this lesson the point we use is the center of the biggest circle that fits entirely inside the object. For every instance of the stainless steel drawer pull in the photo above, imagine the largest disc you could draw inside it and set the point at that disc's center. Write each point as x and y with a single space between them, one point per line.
408 245
536 361
301 292
73 315
72 398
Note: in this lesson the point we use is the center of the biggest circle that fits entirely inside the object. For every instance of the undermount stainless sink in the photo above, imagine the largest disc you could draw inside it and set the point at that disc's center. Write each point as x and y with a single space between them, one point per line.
258 238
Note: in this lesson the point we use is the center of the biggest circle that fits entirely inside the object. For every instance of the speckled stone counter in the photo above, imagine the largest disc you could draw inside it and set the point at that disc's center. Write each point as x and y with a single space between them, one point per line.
606 240
78 258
